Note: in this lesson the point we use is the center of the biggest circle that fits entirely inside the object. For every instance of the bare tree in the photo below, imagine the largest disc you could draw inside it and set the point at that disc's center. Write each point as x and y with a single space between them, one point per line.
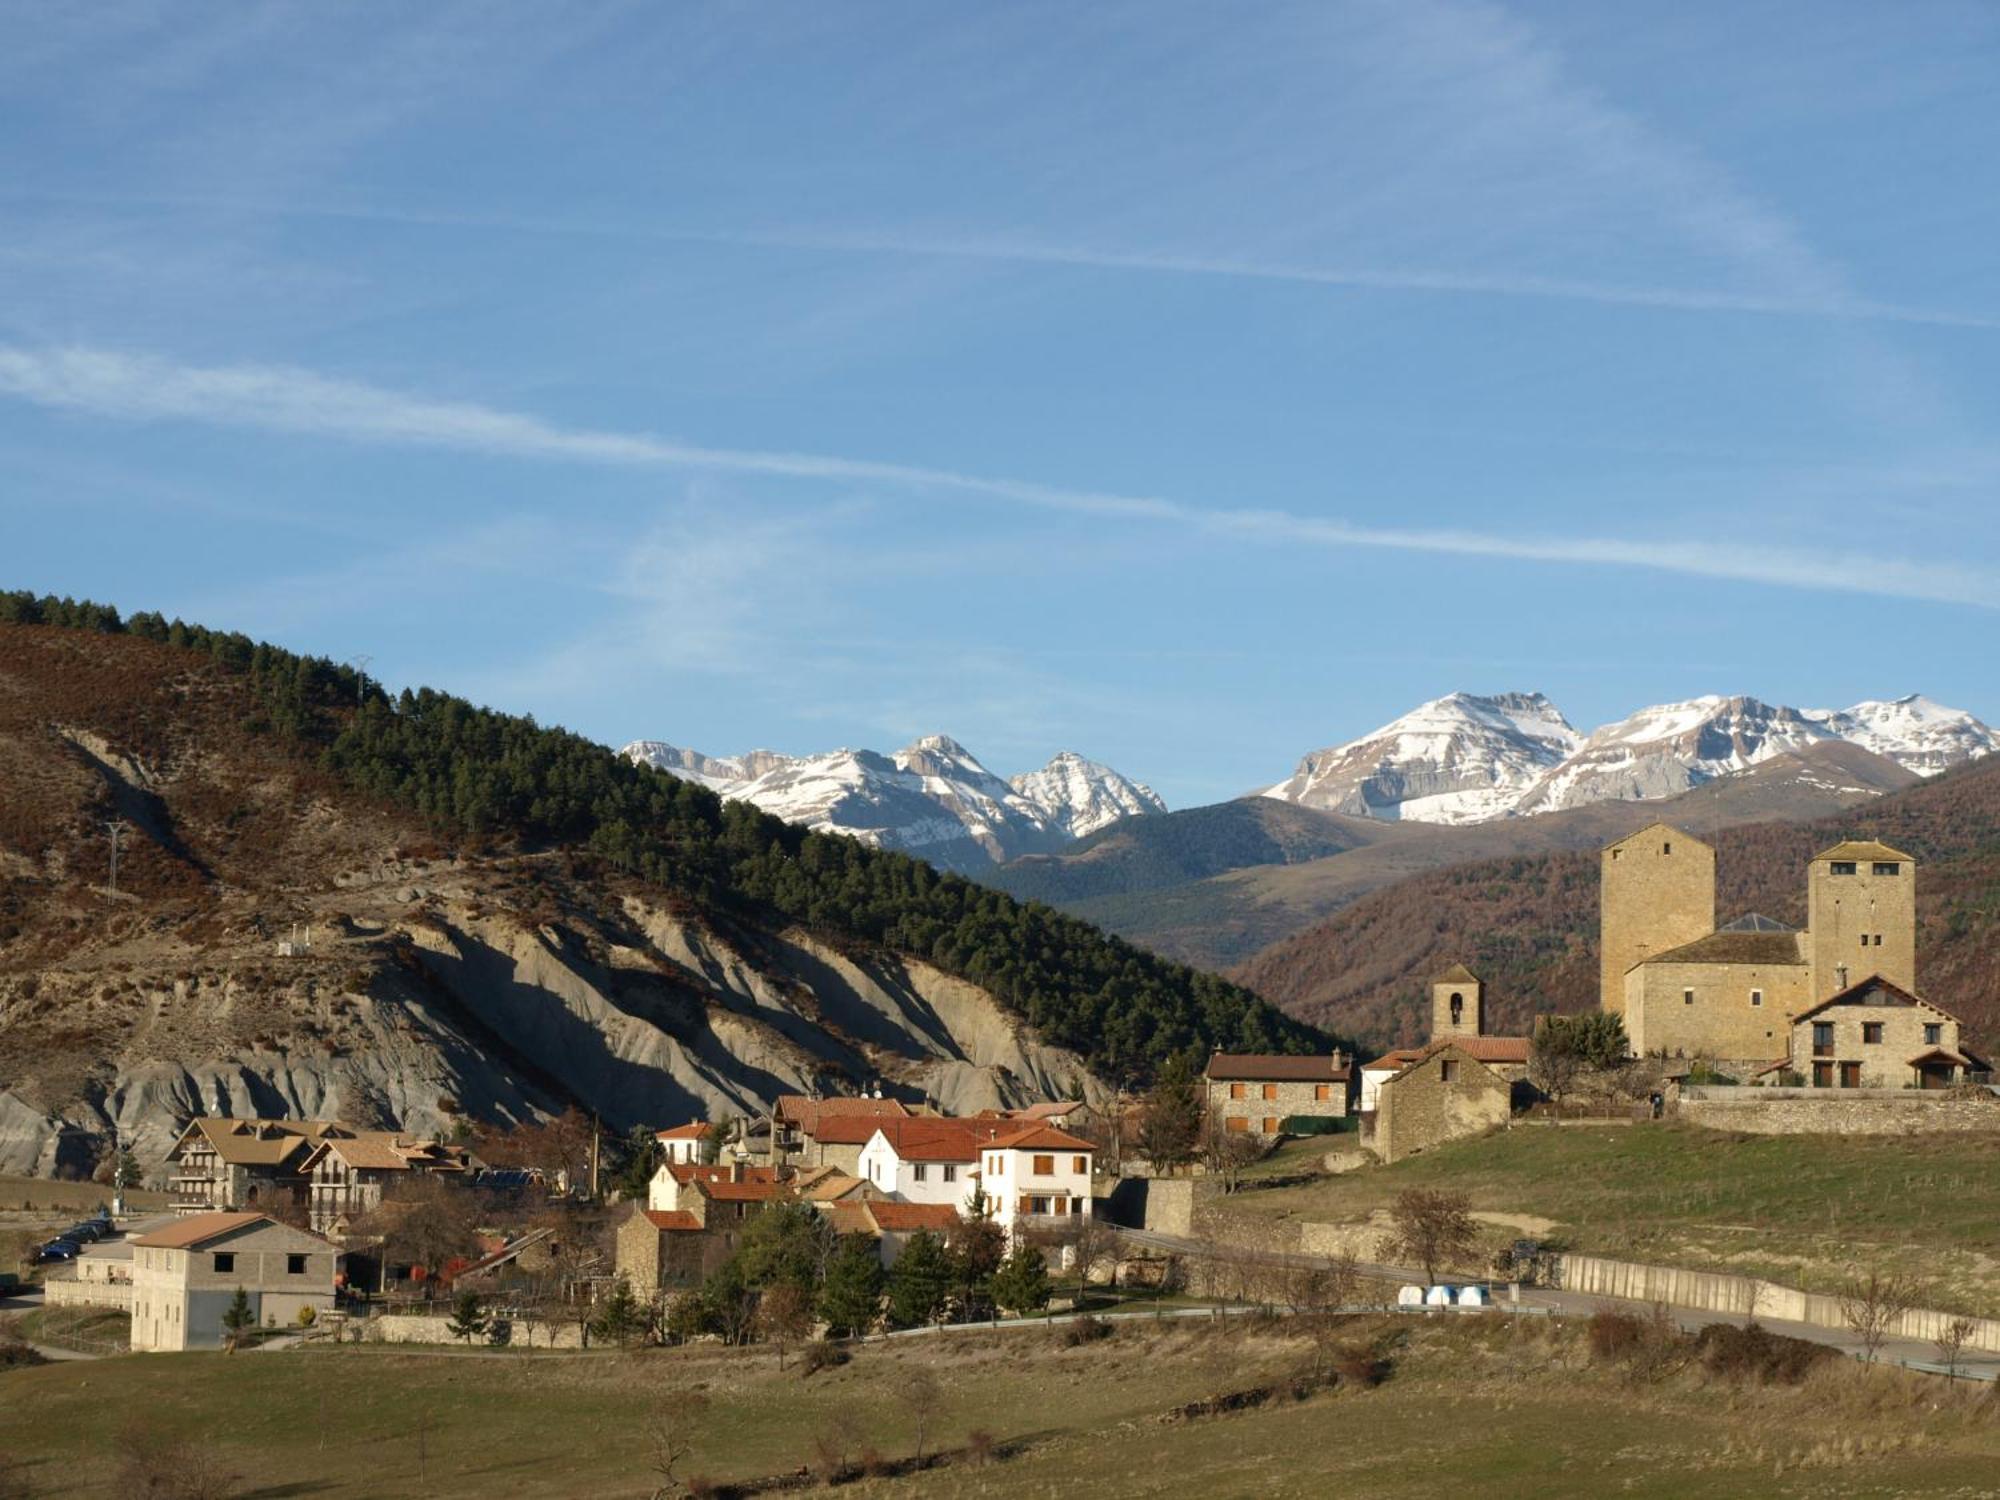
1553 1069
1433 1226
1230 1153
1872 1305
670 1432
1951 1342
784 1316
155 1466
923 1398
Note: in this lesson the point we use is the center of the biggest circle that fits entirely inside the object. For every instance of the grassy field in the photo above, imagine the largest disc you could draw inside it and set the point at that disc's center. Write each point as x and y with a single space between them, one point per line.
1512 1406
1800 1209
42 1195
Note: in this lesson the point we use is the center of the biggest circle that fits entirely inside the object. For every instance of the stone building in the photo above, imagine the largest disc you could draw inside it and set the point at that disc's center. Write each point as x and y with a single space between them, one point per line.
1733 994
1877 1034
1446 1093
1657 891
185 1276
1254 1093
1458 1012
346 1175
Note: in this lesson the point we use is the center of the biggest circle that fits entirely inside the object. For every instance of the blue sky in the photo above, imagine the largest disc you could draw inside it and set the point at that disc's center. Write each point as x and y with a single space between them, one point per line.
1188 385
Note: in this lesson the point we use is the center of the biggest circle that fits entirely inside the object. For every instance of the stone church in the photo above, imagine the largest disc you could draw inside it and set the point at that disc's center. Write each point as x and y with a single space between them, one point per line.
1688 988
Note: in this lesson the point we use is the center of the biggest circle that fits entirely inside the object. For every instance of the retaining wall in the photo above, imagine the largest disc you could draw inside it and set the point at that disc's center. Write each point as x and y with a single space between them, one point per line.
71 1293
1743 1297
1838 1111
427 1328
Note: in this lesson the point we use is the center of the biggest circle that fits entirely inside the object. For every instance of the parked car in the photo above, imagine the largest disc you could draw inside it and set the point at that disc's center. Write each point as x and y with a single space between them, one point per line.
59 1250
89 1234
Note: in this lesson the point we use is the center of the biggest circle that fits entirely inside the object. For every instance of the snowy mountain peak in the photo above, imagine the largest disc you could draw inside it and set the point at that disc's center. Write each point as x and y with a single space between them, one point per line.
1465 758
932 798
1083 796
1462 758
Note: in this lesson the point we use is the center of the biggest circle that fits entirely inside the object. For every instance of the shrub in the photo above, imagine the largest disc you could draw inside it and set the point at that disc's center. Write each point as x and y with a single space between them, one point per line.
822 1356
1085 1330
1615 1335
1757 1353
1360 1367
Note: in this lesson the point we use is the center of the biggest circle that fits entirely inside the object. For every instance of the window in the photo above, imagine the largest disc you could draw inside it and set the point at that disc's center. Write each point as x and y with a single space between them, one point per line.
1236 1091
1038 1205
1322 1091
1822 1036
1843 867
1666 848
225 1261
1045 1166
1448 1070
1457 1009
1236 1123
1687 997
295 1265
997 1165
1871 1032
1270 1091
1615 853
1878 939
951 1171
1076 1205
1933 1034
1756 997
919 1172
1079 1164
1886 867
1270 1124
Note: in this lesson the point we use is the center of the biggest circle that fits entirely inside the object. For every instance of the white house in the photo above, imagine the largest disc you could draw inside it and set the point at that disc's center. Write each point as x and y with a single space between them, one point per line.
1378 1072
921 1160
682 1144
1036 1177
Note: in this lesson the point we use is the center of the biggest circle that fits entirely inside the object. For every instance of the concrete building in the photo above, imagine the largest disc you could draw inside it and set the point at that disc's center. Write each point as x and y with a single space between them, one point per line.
683 1144
185 1276
1443 1095
1254 1093
1876 1034
1036 1178
1732 995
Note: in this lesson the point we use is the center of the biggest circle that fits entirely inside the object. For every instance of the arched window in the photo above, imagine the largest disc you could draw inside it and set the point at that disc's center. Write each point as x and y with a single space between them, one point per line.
1457 1008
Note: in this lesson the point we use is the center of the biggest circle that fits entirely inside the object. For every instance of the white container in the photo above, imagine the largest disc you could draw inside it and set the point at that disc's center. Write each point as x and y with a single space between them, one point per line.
1410 1296
1438 1296
1472 1296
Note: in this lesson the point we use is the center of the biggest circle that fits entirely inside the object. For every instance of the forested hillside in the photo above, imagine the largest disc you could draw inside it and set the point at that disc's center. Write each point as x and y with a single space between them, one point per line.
1528 926
503 782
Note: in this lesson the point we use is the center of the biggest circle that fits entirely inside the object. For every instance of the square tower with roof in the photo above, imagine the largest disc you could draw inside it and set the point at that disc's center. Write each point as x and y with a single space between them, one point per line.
1458 1004
1657 891
1861 917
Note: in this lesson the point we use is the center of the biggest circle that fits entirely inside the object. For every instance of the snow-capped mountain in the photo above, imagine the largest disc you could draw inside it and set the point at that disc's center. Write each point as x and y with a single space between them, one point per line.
1467 759
1083 796
1915 732
1457 759
932 798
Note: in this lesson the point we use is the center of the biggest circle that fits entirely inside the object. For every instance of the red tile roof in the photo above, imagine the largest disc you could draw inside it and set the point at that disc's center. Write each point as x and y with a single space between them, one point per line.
1266 1067
922 1139
900 1218
709 1173
671 1218
813 1115
1040 1138
1491 1049
1402 1057
694 1130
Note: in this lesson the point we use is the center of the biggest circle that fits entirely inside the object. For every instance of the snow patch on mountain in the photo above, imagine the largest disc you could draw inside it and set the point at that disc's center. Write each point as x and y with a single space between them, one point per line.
933 798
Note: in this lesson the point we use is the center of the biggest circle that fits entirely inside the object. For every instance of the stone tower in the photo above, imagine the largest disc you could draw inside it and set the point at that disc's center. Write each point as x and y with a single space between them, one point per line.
1861 918
1657 891
1458 1004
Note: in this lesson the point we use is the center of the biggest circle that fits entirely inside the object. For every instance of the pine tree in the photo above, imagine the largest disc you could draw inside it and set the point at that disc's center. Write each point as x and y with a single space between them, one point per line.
238 1318
1170 1119
850 1300
1021 1285
622 1319
467 1321
920 1282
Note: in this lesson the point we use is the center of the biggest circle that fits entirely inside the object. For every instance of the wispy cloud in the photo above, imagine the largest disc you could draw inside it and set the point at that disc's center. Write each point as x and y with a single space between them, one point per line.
278 398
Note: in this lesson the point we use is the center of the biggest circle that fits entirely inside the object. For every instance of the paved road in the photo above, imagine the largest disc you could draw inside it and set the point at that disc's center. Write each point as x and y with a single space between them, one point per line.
1916 1354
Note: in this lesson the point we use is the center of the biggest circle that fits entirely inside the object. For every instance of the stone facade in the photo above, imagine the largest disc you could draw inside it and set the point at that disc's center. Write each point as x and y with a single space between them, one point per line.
1458 1003
1658 892
1447 1094
1728 1012
1253 1094
1877 1035
1861 905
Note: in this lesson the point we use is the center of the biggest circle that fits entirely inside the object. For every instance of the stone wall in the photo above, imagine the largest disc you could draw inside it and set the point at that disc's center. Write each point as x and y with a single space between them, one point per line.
431 1328
1721 1022
1838 1111
1264 1106
1884 1064
1447 1095
1743 1297
1657 891
1164 1205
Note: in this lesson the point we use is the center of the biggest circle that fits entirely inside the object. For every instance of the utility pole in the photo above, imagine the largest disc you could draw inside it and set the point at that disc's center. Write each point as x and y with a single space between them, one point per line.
116 828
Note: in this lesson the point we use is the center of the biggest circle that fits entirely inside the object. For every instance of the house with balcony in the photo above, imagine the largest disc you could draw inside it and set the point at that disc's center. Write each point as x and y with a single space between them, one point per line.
683 1144
1876 1034
218 1164
1036 1177
346 1174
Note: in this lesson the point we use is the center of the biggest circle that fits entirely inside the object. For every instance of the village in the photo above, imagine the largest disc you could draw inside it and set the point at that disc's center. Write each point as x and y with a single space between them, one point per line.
842 1217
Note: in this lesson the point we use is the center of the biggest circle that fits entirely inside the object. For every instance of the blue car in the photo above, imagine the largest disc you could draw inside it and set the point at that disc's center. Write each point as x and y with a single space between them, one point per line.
59 1250
87 1233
